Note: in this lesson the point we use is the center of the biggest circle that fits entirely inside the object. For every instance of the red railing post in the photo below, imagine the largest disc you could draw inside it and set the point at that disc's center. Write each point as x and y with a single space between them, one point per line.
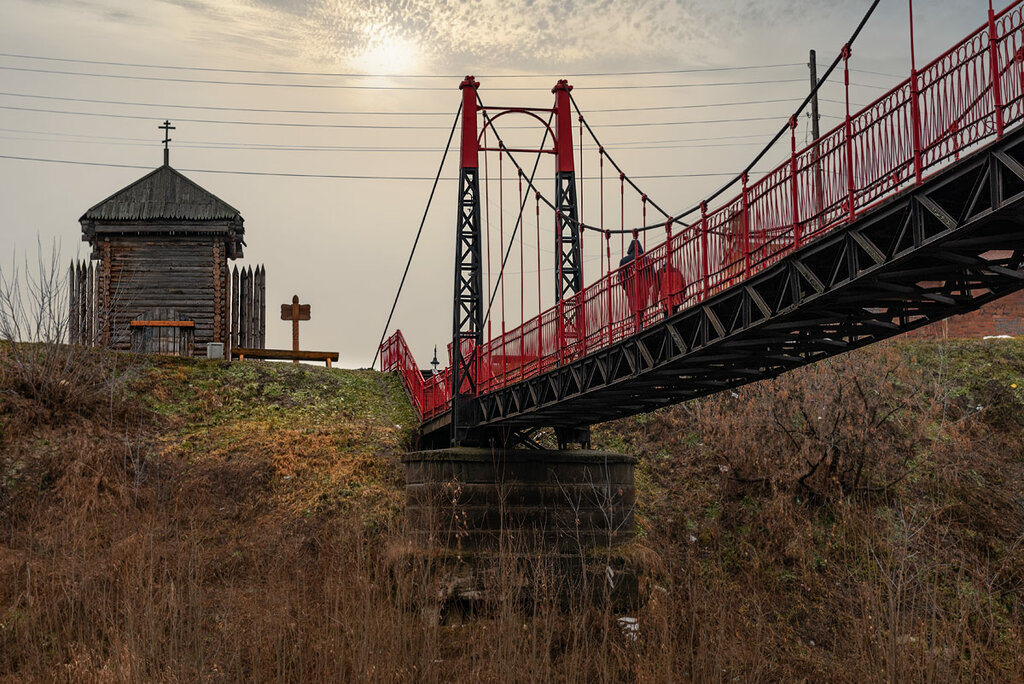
667 280
795 189
1018 57
705 270
608 294
849 135
915 104
746 227
635 272
997 86
540 342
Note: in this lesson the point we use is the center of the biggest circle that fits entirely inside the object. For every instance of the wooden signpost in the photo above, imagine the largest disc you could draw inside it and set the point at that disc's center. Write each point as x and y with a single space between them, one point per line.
295 312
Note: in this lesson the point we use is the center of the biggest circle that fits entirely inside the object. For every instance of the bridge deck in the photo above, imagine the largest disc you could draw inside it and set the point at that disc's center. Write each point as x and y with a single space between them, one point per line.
946 247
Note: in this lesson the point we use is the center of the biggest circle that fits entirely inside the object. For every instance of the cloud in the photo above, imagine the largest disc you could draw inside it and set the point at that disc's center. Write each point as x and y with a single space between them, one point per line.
493 33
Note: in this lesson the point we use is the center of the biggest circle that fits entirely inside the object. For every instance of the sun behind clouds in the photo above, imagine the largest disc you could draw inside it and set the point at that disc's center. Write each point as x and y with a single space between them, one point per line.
387 52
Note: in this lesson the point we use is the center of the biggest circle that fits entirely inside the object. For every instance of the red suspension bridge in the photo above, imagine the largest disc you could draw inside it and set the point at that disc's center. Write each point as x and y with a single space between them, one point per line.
907 212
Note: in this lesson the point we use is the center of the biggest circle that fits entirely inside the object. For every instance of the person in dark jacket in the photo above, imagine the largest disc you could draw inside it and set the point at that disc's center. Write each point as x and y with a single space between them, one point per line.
634 266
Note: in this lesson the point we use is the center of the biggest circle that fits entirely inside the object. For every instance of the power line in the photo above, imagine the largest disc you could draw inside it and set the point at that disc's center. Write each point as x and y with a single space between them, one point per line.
295 124
691 70
336 86
244 147
878 73
262 110
626 143
312 175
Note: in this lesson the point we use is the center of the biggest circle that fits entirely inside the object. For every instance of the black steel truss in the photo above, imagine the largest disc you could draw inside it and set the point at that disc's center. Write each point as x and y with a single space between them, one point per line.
923 255
467 313
569 269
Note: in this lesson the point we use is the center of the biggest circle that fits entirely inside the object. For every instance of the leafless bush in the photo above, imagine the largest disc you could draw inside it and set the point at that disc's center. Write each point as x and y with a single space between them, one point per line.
46 377
844 425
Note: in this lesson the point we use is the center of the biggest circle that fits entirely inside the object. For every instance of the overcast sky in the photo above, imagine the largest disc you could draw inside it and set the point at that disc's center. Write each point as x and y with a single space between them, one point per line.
341 243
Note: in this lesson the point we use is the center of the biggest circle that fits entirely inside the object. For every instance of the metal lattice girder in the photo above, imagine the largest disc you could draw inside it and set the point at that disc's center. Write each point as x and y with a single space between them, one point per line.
569 269
919 257
468 310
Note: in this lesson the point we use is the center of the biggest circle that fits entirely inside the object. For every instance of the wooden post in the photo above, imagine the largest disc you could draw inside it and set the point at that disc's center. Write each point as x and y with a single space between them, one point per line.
90 300
262 337
104 318
234 341
243 310
218 305
295 324
83 304
295 312
72 306
251 310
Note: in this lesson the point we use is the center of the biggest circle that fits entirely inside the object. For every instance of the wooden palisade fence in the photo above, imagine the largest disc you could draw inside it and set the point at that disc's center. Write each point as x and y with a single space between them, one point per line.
83 322
89 323
249 307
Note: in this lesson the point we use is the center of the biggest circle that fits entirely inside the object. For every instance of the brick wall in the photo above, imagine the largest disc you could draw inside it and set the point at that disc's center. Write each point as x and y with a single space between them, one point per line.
1005 316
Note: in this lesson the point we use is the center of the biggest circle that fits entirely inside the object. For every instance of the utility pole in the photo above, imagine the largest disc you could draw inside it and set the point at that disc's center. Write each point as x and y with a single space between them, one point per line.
815 131
815 116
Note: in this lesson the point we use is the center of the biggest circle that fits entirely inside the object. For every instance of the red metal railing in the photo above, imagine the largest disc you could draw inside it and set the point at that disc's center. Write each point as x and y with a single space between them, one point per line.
956 103
430 395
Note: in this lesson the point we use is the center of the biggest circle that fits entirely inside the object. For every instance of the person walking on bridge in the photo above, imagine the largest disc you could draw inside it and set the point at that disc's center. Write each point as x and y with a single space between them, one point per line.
635 275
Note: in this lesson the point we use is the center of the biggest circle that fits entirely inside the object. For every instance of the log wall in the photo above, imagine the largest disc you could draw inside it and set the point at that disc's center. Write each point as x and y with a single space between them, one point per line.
187 275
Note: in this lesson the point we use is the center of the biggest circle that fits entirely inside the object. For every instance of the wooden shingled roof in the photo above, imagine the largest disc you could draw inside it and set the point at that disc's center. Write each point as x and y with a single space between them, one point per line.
162 195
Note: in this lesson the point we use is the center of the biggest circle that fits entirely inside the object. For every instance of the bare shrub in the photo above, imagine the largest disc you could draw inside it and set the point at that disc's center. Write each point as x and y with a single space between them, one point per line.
843 425
47 379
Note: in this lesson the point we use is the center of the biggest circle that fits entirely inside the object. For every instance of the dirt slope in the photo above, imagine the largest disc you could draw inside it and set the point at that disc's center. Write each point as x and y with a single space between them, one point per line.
859 520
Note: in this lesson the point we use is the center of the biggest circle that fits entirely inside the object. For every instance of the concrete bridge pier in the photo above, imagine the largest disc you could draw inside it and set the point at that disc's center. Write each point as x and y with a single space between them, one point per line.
561 520
559 501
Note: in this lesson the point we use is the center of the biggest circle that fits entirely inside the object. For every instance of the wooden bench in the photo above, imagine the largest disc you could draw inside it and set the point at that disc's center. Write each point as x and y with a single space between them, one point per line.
284 355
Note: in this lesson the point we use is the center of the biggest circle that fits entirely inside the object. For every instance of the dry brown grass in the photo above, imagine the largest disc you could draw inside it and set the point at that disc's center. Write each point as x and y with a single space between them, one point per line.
232 534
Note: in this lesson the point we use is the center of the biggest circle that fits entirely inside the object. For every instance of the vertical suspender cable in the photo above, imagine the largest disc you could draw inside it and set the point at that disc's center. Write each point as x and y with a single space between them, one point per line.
501 241
522 275
583 177
622 214
600 155
487 224
540 300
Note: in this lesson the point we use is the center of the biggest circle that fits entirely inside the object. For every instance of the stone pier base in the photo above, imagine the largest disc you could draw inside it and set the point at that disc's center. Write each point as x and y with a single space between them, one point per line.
527 500
542 526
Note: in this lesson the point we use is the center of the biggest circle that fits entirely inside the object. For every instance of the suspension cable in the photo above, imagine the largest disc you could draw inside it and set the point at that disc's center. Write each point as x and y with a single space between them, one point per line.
821 81
419 232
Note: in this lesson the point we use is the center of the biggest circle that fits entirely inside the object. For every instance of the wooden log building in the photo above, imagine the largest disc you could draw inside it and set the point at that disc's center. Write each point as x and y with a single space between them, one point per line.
161 282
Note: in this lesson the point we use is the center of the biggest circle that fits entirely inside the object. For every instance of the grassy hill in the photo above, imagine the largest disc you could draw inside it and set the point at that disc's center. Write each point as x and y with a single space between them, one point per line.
175 520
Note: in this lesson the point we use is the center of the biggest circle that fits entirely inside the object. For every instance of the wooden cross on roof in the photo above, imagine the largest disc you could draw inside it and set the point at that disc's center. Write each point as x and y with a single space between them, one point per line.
167 128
